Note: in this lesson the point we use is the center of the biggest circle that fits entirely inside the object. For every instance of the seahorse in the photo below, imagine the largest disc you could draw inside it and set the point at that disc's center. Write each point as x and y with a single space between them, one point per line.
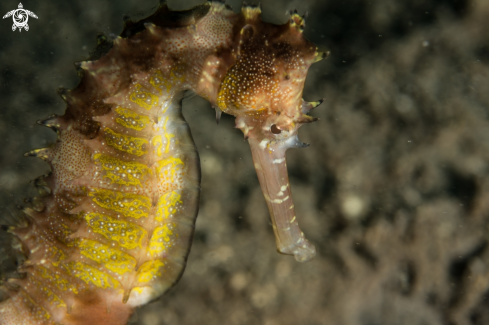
113 225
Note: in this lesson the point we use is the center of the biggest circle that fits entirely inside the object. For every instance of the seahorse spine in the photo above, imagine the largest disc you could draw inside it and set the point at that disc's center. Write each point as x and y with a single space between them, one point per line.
113 226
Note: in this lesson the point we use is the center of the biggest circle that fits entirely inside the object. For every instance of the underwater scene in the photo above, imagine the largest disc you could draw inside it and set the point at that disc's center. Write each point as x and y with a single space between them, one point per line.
393 190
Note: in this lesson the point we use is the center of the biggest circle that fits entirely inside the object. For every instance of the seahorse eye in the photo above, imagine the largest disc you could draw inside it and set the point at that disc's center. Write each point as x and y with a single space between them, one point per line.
275 130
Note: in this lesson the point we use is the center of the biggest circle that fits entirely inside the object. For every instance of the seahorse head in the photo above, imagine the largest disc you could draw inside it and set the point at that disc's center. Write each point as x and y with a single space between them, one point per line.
263 89
267 78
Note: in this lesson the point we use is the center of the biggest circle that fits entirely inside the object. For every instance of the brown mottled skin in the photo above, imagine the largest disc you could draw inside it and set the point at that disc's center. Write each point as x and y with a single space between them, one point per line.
125 160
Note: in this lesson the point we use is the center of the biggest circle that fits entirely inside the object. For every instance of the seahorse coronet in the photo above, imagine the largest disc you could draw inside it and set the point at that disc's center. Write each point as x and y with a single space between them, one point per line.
112 227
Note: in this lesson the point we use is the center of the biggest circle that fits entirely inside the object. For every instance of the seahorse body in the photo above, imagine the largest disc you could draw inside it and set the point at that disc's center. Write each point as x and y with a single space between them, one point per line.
113 228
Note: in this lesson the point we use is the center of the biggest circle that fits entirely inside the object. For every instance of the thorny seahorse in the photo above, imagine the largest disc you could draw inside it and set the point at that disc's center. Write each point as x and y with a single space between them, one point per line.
113 225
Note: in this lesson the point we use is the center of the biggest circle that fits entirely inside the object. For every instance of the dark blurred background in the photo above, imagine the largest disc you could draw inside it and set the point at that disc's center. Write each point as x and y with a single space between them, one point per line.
394 190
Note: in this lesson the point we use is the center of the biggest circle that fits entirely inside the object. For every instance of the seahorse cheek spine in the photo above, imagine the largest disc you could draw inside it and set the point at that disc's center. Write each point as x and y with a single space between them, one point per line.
114 226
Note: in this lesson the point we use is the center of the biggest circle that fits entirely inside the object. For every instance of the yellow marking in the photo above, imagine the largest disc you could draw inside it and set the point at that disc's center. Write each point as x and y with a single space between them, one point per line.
177 77
122 172
52 297
320 56
134 146
150 270
143 98
60 282
113 259
158 81
167 205
48 294
224 93
58 255
89 274
172 163
157 140
139 290
170 172
297 21
131 119
38 311
168 136
161 239
127 234
257 112
65 232
158 143
131 205
250 12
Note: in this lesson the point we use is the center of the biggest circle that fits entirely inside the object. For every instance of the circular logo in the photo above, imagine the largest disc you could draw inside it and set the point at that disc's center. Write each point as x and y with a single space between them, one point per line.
20 17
